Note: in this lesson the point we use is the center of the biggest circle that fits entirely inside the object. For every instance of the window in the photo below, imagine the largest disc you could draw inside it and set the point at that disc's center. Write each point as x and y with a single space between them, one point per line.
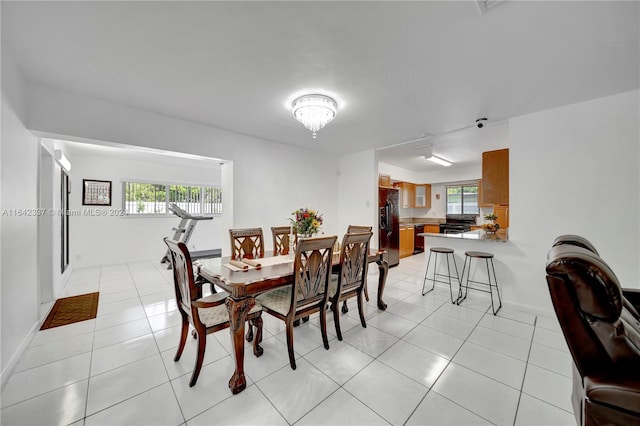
462 199
154 198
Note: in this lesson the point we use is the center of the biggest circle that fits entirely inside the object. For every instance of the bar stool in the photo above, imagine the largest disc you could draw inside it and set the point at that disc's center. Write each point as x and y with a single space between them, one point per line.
436 276
488 257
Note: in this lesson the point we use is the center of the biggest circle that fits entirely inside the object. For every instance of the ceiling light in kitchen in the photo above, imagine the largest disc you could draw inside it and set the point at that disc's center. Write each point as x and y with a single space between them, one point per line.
438 160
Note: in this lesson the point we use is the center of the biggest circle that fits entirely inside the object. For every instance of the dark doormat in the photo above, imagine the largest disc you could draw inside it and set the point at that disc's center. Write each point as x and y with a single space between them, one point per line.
72 309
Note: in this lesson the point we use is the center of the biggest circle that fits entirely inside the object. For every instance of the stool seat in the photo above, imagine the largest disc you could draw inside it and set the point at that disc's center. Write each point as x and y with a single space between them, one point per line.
441 250
479 254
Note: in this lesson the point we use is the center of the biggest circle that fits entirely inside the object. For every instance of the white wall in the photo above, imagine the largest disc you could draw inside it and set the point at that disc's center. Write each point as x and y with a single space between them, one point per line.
19 254
270 180
575 170
99 240
358 193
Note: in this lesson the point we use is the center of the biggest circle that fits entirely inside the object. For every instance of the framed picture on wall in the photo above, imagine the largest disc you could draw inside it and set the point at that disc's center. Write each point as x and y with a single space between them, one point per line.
96 192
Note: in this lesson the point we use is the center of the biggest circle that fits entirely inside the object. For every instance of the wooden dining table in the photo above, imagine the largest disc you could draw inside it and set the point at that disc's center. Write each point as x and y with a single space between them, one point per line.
242 286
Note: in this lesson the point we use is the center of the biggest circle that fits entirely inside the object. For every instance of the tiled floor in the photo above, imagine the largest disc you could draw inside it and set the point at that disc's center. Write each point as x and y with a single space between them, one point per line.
423 361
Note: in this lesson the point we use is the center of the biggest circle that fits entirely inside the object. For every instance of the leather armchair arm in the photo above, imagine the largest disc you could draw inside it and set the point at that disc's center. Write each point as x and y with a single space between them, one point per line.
633 296
617 390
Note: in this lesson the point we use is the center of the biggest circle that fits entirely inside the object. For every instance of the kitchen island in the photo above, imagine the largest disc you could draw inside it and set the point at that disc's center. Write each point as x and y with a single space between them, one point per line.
477 235
506 255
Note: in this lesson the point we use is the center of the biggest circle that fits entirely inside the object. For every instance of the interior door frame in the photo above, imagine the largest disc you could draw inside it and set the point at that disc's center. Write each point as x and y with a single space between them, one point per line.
64 220
46 196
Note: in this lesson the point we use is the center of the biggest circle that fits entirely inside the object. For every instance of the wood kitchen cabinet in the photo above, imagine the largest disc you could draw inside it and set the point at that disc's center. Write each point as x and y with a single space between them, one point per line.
407 194
503 216
423 196
384 180
406 240
495 177
432 228
481 202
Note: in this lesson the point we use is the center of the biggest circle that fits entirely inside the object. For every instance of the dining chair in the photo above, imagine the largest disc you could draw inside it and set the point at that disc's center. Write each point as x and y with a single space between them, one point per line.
207 314
308 292
246 243
352 229
351 277
281 238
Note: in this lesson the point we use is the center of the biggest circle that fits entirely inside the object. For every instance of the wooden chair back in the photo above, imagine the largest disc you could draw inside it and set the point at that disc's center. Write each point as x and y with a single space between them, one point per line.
281 239
353 262
183 277
246 243
312 269
356 229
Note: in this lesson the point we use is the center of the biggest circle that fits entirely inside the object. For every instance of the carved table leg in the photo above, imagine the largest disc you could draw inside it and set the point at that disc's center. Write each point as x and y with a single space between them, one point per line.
238 310
383 268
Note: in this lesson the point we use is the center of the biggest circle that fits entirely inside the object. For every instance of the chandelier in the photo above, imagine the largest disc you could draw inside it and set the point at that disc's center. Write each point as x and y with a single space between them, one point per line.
314 111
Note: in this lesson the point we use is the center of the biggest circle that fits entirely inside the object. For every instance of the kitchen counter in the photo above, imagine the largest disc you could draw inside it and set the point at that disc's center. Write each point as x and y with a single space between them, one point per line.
477 235
422 221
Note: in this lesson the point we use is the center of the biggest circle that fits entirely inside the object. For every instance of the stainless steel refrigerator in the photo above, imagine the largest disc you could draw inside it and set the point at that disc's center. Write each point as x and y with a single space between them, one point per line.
389 223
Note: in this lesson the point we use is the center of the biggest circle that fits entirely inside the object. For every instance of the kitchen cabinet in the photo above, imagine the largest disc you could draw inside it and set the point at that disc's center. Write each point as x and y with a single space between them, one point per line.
503 216
384 180
407 194
423 196
414 195
481 202
495 177
406 240
432 229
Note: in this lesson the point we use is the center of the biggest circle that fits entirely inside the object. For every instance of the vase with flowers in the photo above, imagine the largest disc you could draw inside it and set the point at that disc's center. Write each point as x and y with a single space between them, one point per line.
306 222
491 227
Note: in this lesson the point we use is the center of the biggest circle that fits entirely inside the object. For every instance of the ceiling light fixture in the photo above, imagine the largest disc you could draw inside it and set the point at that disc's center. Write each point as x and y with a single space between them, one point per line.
438 160
314 111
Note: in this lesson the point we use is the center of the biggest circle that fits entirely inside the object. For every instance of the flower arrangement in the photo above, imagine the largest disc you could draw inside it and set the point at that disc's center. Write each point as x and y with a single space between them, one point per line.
306 222
491 227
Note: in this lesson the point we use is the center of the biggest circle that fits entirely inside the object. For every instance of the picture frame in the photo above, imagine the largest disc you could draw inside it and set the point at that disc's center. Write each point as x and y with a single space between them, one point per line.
96 192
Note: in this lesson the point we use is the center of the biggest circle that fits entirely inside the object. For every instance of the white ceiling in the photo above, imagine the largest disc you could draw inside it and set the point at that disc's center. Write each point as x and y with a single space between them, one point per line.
397 69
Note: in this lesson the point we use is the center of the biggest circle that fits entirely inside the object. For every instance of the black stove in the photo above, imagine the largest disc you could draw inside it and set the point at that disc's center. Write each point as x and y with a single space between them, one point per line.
457 223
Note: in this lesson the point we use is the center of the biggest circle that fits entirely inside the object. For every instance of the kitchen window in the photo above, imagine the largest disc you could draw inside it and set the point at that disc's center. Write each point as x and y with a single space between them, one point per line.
462 199
141 198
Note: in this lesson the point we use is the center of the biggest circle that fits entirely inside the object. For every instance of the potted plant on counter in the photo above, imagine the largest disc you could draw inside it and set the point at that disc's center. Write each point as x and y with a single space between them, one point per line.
491 227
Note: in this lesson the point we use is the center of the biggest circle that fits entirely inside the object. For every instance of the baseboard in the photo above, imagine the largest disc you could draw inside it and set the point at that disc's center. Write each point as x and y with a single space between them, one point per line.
8 370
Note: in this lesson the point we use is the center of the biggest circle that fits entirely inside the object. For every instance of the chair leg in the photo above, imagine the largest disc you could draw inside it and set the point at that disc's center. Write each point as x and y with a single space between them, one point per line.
462 295
249 335
345 309
202 344
323 326
183 337
361 310
426 272
335 308
495 282
459 278
292 358
257 349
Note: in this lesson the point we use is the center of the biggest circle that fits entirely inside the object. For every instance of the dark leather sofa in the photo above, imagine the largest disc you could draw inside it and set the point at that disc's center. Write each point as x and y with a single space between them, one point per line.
601 326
